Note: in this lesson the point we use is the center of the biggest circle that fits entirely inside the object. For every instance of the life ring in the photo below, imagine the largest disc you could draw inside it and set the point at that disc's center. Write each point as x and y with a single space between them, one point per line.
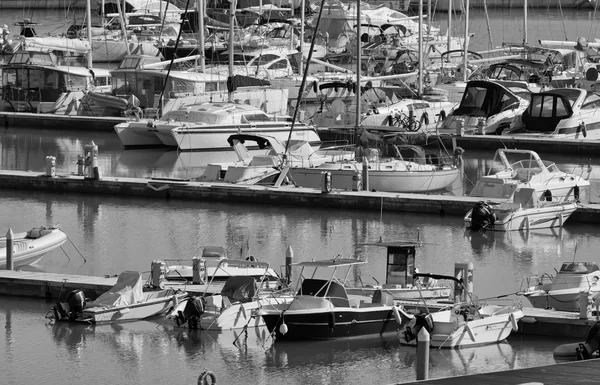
207 378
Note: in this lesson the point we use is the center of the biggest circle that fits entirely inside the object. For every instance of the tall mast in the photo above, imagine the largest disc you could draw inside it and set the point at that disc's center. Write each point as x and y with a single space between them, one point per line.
232 7
525 22
420 58
358 65
449 26
302 16
200 9
466 40
88 9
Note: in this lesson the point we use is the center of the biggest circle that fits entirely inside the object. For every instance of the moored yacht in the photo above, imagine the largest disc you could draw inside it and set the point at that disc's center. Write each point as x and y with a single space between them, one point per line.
208 125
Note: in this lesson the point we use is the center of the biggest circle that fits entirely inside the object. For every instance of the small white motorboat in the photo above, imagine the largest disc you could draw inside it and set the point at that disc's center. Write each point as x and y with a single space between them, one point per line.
525 212
562 291
213 264
31 246
126 301
464 324
234 308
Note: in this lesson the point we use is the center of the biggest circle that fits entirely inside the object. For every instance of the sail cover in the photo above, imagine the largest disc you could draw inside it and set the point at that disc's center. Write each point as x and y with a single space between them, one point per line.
127 291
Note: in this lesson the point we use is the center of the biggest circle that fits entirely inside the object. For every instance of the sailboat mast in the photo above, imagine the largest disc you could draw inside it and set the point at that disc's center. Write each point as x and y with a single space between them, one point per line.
232 6
420 74
466 50
449 26
123 30
302 16
358 63
88 9
524 22
201 12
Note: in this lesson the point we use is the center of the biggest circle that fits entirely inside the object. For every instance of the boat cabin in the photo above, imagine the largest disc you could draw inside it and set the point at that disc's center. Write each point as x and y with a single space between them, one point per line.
147 78
576 274
34 79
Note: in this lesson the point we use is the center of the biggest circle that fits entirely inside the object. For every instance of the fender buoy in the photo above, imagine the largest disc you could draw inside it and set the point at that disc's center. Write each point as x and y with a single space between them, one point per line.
442 115
390 120
397 316
349 86
581 128
207 378
315 86
331 320
424 119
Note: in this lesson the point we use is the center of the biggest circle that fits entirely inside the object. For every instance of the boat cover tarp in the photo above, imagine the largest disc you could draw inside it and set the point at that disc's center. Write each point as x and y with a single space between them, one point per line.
127 291
484 99
233 82
240 289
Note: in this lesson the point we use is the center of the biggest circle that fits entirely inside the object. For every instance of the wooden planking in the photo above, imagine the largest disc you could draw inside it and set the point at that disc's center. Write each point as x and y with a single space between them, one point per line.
54 286
578 372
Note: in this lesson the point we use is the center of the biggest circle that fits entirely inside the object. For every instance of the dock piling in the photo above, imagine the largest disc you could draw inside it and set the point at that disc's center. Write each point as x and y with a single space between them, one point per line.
289 258
423 355
9 249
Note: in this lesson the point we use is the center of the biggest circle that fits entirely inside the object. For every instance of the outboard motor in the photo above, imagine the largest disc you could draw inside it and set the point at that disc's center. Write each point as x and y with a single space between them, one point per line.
482 217
194 308
71 308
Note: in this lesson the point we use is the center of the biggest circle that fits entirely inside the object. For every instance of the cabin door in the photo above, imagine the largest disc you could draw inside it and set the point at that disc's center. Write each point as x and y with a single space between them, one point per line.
400 265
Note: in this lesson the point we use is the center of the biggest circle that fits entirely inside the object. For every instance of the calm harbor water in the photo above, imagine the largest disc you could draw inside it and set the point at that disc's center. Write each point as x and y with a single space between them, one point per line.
108 235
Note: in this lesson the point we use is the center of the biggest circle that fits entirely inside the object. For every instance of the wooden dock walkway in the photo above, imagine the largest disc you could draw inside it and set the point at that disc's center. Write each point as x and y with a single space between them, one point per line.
284 195
52 286
578 372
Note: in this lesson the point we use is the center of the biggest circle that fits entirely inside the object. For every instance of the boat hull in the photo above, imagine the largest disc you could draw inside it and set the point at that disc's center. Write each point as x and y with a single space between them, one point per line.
389 181
561 300
138 134
327 324
156 303
28 251
213 138
453 332
531 218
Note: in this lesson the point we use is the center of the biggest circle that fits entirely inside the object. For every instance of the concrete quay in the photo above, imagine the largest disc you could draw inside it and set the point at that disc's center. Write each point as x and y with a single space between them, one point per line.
224 192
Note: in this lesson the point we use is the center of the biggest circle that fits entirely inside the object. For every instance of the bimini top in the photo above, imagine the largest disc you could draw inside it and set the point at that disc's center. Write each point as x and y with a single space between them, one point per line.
334 262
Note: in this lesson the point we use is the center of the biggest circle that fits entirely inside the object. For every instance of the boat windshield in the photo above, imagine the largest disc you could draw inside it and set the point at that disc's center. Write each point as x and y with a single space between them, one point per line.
579 267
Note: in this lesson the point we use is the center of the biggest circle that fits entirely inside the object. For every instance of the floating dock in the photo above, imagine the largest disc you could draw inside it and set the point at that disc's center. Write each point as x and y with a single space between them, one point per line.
63 122
285 195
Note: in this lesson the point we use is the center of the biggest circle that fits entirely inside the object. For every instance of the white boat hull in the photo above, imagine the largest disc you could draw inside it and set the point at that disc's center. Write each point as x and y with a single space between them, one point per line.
138 134
451 330
562 300
28 251
211 138
155 303
531 218
390 181
404 293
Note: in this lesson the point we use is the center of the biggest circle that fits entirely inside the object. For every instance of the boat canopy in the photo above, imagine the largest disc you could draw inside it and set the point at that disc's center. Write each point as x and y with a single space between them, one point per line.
127 291
547 109
579 267
240 289
484 99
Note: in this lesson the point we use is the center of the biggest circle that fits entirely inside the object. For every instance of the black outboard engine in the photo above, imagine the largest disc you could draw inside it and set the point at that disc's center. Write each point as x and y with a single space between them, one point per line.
71 308
482 217
194 308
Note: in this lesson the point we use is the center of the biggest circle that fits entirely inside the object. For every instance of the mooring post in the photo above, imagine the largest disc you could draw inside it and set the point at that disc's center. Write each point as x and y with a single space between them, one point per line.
289 258
9 249
423 355
583 304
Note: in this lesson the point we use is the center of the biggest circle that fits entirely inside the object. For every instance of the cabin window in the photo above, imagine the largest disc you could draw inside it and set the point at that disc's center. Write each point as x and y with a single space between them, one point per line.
474 97
76 83
280 64
255 118
265 59
182 87
591 102
213 86
9 78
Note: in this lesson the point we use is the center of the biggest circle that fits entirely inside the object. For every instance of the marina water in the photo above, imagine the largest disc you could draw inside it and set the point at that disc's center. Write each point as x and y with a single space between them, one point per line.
108 235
